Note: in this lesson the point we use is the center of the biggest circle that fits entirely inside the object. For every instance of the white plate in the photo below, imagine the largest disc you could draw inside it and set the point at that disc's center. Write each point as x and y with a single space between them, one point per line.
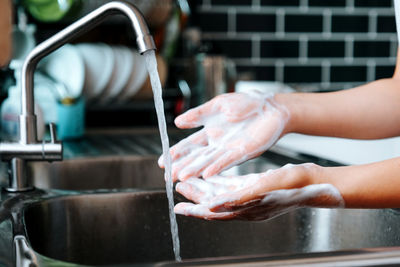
121 73
46 96
138 77
99 65
66 65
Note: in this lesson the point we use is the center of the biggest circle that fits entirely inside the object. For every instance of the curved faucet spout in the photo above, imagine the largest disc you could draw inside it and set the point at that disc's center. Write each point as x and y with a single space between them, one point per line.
144 41
29 148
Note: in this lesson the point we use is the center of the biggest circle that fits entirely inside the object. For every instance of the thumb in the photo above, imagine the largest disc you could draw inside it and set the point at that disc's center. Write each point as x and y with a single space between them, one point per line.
201 211
194 117
238 200
161 162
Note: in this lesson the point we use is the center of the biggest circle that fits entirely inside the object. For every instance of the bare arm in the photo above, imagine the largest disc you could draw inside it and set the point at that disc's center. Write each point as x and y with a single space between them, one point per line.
265 195
370 111
366 112
241 126
375 185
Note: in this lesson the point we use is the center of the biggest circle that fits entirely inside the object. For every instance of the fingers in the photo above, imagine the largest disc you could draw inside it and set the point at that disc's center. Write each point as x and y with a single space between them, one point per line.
198 163
221 163
194 117
202 191
238 200
223 198
180 164
250 197
196 190
201 211
160 162
185 146
255 188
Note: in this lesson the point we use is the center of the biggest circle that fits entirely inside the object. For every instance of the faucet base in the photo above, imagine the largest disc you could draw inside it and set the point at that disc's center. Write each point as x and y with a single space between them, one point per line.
19 180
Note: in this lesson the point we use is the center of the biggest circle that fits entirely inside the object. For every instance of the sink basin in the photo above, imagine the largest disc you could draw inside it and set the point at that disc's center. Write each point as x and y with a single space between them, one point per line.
111 209
115 172
133 228
129 160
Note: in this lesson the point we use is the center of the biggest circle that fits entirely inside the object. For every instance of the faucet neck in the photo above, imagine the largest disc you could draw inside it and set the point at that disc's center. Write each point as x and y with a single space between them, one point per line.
29 148
144 41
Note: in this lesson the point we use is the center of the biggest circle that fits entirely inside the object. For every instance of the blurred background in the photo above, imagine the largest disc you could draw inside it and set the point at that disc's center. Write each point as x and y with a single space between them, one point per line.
315 45
205 47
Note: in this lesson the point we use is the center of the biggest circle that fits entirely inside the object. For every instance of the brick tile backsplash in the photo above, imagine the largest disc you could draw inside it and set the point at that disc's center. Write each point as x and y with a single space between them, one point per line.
323 49
258 72
279 49
255 23
386 24
327 3
350 23
279 2
303 23
293 74
232 48
320 44
384 71
373 3
212 22
369 49
348 73
232 2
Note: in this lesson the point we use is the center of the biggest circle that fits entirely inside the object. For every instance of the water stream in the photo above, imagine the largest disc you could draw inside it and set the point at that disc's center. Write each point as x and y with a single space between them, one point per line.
151 65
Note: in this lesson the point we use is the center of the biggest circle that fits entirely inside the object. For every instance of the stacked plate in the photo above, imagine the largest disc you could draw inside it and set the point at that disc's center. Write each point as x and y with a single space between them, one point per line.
114 74
65 66
103 74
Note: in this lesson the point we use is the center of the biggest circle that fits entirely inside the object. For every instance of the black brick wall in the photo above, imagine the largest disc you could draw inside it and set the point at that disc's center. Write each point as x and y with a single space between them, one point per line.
354 41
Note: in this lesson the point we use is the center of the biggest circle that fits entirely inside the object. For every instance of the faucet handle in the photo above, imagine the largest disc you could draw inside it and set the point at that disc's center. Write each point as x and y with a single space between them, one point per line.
53 135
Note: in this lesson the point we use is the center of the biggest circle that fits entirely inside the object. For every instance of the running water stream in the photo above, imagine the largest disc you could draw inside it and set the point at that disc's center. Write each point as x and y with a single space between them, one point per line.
151 65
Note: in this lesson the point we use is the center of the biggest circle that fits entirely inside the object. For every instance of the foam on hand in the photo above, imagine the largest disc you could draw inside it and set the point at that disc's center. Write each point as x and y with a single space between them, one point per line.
218 197
237 127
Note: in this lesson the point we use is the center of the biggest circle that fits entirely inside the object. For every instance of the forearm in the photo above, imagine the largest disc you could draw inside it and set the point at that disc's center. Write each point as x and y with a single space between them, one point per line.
370 111
375 185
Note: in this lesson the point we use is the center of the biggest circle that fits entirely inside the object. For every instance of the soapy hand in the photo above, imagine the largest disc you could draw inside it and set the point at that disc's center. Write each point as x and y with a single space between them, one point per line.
237 127
255 196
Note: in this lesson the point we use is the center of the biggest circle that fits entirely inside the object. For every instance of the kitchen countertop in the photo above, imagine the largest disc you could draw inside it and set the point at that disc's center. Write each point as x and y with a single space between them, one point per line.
346 151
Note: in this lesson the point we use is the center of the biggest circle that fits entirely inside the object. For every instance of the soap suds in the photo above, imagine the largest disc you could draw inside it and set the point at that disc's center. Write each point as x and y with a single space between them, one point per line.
302 195
215 197
237 127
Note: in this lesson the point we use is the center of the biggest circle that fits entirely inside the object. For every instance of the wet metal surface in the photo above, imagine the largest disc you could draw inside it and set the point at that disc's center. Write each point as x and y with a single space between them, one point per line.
133 227
111 161
104 205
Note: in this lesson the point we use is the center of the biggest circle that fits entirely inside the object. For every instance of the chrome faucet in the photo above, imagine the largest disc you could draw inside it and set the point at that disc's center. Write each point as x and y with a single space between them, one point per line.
29 148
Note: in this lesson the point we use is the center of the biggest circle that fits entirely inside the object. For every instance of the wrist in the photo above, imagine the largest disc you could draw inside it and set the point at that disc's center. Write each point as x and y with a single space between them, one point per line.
291 103
306 174
293 176
317 191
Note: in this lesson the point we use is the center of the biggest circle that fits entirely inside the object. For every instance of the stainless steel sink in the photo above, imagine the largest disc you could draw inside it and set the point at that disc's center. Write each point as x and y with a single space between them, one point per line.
129 160
133 227
112 210
115 172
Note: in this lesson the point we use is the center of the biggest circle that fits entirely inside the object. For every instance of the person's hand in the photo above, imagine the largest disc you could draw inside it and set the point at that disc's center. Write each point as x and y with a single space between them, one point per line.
237 127
256 196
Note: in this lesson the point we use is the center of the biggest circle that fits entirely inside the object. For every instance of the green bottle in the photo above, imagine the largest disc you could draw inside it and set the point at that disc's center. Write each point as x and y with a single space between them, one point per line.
51 10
